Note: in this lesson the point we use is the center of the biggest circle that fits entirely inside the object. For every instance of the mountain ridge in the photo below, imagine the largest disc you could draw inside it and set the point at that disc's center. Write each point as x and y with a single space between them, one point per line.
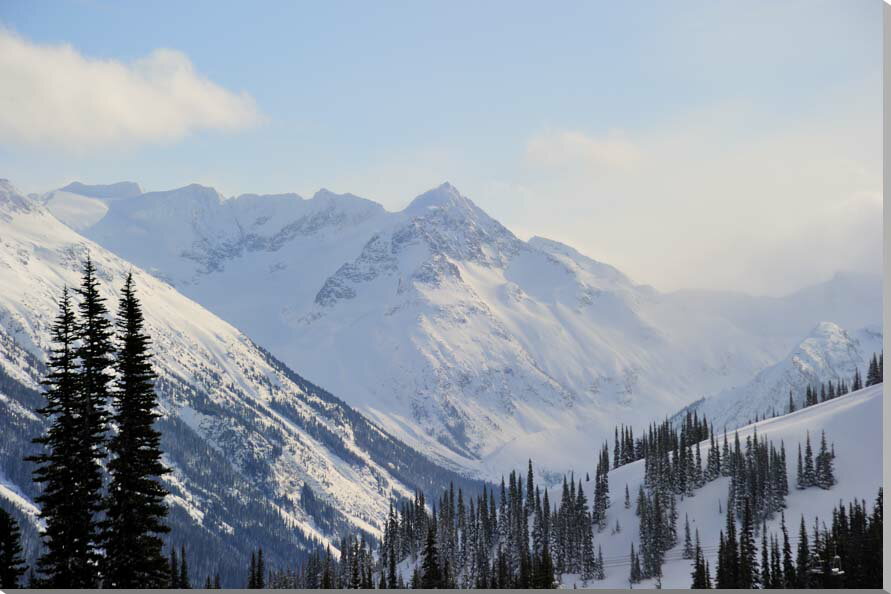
256 449
467 342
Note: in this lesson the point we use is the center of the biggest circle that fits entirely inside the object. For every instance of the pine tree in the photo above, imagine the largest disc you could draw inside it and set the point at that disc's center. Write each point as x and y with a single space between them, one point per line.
635 572
183 581
765 578
809 475
872 374
803 558
173 569
825 473
12 565
701 580
748 566
788 565
70 496
135 502
688 542
791 407
431 576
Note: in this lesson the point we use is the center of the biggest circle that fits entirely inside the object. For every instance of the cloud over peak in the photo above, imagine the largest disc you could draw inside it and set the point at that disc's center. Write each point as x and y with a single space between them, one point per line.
53 96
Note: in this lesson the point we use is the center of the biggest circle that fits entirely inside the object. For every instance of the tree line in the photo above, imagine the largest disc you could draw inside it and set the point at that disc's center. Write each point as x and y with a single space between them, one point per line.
510 536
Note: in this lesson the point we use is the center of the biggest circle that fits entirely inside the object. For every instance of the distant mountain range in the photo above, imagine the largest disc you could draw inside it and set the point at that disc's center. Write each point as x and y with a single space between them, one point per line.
438 323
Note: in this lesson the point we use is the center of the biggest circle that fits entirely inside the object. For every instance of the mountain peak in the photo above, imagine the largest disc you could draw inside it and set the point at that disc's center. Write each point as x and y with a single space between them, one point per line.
827 329
445 196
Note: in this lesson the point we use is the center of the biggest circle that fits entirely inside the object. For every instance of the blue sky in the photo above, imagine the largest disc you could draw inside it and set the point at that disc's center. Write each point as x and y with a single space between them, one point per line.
656 136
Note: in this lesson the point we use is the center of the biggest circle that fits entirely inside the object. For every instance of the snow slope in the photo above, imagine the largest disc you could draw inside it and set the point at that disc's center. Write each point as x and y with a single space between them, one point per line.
258 452
852 422
452 333
828 353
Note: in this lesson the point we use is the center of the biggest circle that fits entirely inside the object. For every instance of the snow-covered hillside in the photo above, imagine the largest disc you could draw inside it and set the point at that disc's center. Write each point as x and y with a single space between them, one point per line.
448 330
828 353
852 422
259 454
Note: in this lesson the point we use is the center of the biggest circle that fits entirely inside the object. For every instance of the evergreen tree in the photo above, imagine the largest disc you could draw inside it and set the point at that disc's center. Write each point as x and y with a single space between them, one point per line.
765 578
688 542
634 575
701 579
748 566
183 581
803 558
825 473
809 475
872 374
788 565
173 569
12 565
431 577
70 477
135 502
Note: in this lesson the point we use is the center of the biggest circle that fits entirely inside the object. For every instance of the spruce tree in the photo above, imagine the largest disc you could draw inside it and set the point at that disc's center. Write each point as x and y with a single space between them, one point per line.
70 498
184 568
788 565
12 565
135 502
803 558
809 475
173 569
688 542
431 576
825 473
94 353
872 373
748 566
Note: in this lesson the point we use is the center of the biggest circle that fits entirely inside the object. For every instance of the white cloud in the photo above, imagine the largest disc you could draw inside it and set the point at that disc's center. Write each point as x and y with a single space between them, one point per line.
54 96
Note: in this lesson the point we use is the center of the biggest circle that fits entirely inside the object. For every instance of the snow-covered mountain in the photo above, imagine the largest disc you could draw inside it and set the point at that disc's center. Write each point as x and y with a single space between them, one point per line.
259 454
828 353
853 424
448 330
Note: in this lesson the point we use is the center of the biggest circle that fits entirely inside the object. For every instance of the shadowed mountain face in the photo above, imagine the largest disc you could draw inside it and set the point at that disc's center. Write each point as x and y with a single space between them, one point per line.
260 456
437 322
